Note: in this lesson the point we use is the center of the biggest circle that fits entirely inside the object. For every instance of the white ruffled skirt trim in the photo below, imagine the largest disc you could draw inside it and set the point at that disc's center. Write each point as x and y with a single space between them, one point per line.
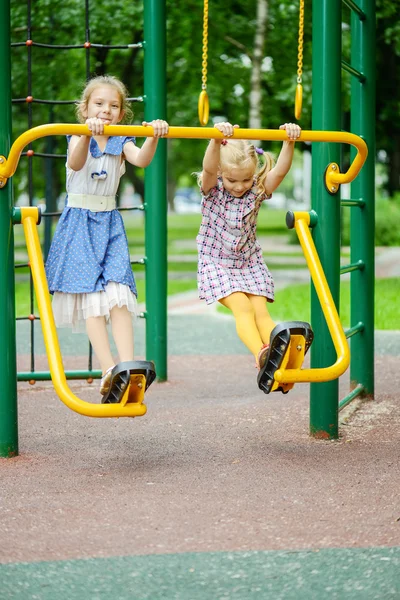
72 310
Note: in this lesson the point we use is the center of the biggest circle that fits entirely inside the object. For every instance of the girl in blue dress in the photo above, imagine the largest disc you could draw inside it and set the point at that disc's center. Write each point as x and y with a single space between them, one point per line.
88 268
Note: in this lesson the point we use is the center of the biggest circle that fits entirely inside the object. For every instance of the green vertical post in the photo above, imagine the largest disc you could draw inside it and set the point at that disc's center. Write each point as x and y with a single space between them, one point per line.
362 227
8 364
326 115
156 187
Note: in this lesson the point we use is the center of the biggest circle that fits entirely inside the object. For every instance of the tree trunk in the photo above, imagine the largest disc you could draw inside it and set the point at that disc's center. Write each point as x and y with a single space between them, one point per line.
258 55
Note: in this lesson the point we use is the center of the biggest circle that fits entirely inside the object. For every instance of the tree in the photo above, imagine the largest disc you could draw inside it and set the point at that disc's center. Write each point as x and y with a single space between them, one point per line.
245 71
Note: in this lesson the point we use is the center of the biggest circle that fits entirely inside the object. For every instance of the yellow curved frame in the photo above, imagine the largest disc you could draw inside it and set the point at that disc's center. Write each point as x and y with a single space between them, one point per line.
29 219
333 177
302 222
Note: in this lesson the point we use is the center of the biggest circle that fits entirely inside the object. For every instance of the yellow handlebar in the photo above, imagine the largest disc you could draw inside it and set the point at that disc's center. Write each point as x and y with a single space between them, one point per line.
333 176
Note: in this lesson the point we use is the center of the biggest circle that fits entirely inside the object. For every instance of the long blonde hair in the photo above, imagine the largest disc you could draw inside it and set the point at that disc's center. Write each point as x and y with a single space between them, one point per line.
96 82
243 154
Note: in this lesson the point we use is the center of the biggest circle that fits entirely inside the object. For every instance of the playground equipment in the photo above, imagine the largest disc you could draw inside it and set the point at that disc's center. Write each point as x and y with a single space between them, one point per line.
290 342
298 102
333 177
204 105
140 374
326 117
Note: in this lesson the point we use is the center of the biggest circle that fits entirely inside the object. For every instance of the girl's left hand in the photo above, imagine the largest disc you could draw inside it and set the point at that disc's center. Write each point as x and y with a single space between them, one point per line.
159 126
292 129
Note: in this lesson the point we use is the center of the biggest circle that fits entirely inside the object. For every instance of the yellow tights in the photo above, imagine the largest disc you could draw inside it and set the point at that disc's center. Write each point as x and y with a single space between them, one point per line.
253 321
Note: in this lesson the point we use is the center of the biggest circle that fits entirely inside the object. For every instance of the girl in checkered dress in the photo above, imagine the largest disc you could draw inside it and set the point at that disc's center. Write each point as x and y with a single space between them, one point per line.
236 178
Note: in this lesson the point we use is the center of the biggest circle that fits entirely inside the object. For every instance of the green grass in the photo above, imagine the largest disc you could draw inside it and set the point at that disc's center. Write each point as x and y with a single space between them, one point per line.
174 286
293 303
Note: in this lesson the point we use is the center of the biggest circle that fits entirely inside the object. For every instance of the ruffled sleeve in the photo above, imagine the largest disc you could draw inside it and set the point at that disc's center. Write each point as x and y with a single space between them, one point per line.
114 147
214 195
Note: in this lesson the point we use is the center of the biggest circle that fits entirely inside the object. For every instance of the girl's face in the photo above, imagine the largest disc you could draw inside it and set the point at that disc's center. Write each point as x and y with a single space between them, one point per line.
104 103
238 181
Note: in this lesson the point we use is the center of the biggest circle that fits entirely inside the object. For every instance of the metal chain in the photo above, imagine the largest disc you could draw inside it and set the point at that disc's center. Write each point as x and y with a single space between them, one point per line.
205 47
300 49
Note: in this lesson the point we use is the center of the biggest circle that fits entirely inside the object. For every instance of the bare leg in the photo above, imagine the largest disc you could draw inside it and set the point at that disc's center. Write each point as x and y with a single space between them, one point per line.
263 319
97 331
244 314
122 330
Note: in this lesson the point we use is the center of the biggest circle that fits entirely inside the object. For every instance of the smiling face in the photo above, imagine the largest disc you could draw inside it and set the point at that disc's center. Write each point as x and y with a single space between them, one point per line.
104 103
237 181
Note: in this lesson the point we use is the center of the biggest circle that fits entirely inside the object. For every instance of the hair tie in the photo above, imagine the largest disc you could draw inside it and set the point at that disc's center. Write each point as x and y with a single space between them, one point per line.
224 142
259 150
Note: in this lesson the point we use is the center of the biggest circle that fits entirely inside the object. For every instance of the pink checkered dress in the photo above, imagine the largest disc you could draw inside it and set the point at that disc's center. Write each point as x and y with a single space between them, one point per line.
230 257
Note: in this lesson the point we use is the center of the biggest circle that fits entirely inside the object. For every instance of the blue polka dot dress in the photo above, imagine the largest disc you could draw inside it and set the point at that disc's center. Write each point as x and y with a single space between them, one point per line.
88 267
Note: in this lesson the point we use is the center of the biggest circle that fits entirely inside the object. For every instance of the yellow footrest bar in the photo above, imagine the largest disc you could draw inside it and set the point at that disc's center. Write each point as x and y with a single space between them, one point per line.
133 405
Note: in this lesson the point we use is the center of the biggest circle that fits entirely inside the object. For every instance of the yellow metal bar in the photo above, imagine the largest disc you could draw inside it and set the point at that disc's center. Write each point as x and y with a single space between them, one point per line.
333 176
29 218
302 221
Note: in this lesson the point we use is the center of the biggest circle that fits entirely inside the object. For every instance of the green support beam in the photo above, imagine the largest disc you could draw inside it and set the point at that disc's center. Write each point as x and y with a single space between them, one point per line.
8 364
326 115
155 188
362 223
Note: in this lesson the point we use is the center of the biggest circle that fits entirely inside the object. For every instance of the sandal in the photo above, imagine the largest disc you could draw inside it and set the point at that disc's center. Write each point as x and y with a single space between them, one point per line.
105 381
262 356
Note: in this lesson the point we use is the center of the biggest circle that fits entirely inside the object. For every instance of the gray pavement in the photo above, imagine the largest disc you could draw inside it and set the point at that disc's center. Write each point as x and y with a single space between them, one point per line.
217 492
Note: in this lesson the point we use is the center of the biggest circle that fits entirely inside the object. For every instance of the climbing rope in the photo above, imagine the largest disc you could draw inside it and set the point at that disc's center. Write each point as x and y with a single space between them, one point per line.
299 88
204 107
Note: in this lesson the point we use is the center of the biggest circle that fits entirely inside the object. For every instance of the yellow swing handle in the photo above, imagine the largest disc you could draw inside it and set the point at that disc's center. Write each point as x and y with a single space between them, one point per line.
298 103
204 107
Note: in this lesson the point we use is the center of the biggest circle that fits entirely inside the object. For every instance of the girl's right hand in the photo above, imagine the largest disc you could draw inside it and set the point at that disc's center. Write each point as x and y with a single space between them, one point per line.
95 125
226 128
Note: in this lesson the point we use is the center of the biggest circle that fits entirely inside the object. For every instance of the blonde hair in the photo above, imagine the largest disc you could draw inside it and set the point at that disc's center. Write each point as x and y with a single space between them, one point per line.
243 154
96 82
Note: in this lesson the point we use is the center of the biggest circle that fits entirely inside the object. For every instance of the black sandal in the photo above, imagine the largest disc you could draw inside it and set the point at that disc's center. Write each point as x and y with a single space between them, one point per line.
121 377
278 345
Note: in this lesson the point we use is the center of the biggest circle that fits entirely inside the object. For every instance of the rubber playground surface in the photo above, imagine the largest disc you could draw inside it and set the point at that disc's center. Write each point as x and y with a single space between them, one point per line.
217 492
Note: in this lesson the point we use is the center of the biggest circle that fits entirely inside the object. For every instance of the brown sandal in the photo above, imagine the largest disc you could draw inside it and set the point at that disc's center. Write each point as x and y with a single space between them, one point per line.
262 356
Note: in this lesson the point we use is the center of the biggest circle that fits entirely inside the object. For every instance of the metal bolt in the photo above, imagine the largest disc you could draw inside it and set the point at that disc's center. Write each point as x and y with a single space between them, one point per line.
334 167
282 347
1 160
269 382
1 183
140 385
333 188
299 347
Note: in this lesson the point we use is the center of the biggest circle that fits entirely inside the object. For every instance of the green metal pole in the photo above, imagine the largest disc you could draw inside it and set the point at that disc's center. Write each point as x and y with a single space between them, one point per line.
326 115
362 228
8 364
156 187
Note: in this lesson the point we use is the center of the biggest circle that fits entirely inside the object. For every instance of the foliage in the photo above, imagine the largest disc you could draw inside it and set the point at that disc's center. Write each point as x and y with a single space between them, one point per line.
387 217
60 74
